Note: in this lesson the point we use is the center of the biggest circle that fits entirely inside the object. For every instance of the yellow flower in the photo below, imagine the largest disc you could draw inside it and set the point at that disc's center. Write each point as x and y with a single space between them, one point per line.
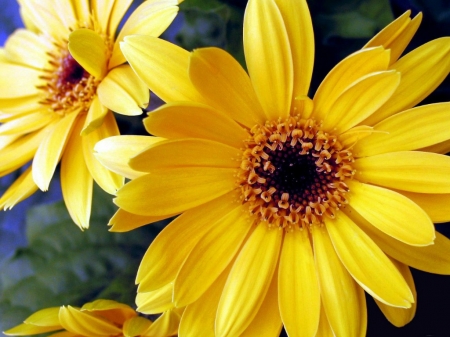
290 207
60 78
98 318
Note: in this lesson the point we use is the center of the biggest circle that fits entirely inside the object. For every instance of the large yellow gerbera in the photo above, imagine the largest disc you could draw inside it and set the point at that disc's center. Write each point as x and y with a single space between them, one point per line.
98 318
291 207
59 80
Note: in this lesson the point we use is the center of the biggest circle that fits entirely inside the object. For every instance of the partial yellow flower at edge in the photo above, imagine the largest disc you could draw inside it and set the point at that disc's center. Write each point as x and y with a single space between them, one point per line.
98 318
60 80
283 220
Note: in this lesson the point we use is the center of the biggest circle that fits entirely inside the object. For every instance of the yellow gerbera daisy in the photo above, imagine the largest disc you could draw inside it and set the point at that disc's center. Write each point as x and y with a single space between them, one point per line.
59 80
291 207
98 318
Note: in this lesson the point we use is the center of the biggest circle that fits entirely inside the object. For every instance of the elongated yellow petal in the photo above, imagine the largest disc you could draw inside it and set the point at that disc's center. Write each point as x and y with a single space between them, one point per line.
324 329
199 317
267 322
297 21
171 119
268 56
107 180
38 16
82 10
397 35
400 316
44 317
123 221
123 92
392 213
51 149
27 48
174 190
95 116
364 260
85 323
28 329
159 268
76 181
136 326
435 205
21 189
299 293
19 105
210 256
114 311
220 78
89 49
251 274
151 18
165 325
409 130
361 99
25 81
102 11
422 71
26 124
188 152
115 152
442 148
433 259
153 59
338 290
118 11
412 171
346 72
156 301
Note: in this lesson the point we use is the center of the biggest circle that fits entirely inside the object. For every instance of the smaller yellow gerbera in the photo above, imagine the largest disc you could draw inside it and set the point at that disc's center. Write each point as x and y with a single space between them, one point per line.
98 318
60 80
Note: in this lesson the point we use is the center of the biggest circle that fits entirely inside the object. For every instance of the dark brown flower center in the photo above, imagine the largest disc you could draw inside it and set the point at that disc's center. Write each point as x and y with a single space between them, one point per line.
293 172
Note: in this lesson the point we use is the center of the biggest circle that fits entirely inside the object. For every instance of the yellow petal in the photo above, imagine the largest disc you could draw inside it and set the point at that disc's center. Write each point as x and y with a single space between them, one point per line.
89 49
422 71
165 325
364 260
114 311
25 81
174 190
82 10
44 317
19 105
123 92
267 322
324 329
122 221
156 301
21 189
351 137
268 56
412 171
400 316
151 18
297 21
338 290
115 152
26 124
76 181
188 152
102 11
44 18
392 213
27 48
170 120
251 275
95 116
433 259
221 79
27 329
442 148
198 319
85 323
136 326
299 293
397 35
107 180
435 205
409 130
210 256
154 59
159 268
51 149
361 99
118 11
346 72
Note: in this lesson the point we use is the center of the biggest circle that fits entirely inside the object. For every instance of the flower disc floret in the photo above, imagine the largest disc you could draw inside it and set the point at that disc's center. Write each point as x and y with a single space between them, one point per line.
294 173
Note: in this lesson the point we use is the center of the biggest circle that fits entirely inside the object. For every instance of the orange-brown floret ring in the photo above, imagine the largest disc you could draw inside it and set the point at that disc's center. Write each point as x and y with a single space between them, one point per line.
293 173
